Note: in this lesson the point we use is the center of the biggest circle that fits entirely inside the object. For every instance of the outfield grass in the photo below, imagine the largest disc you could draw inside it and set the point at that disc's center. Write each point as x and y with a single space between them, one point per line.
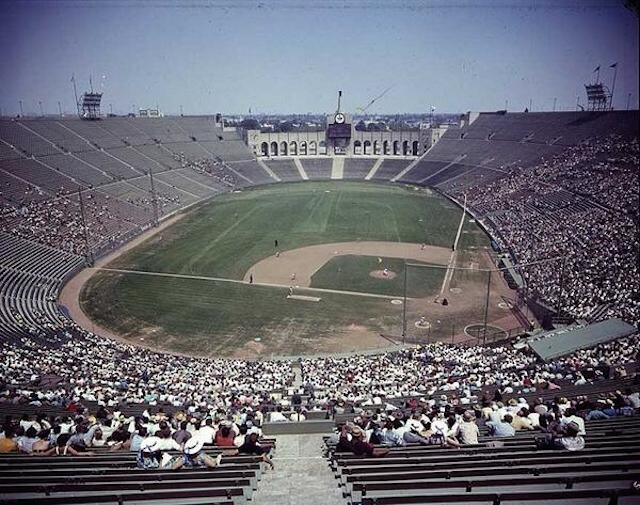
235 231
216 318
230 234
351 273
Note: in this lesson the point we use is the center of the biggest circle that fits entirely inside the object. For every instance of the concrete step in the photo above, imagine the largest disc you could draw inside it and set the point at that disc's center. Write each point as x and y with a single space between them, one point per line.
301 476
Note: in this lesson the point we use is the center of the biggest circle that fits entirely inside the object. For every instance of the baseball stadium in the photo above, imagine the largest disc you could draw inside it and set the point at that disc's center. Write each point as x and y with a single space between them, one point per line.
342 307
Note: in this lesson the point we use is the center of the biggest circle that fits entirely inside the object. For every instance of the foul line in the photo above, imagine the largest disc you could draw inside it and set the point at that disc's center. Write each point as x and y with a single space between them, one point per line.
452 260
236 281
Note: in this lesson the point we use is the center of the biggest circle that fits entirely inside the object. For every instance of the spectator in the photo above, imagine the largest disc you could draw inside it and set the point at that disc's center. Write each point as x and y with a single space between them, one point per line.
194 456
468 431
251 446
151 457
503 428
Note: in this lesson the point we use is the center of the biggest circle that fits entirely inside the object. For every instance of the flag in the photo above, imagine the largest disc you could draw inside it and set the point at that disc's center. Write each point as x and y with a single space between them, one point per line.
614 65
597 68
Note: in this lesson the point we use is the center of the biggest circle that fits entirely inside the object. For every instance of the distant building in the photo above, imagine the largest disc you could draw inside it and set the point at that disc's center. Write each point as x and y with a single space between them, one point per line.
340 138
150 113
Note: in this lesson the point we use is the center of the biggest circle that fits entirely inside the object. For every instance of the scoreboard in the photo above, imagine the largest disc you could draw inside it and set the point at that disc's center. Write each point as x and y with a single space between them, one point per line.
339 131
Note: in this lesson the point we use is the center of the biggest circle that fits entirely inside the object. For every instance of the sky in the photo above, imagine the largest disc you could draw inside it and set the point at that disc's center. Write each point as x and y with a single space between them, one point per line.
291 56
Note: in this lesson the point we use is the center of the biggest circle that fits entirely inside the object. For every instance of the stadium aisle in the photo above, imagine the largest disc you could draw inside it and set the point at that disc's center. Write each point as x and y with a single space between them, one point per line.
301 475
297 379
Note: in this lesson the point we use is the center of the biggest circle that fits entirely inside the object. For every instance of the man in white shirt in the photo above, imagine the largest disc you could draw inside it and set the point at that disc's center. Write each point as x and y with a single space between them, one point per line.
297 416
207 432
278 416
166 443
571 417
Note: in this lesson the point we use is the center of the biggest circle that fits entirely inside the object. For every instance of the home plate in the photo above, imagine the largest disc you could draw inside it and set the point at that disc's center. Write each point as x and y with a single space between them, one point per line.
304 298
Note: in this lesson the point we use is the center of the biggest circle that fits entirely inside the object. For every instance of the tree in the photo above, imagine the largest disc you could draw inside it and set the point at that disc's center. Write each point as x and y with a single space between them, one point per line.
361 126
250 124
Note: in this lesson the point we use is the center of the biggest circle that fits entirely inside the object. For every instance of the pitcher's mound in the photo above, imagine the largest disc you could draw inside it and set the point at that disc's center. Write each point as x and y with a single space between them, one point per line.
385 275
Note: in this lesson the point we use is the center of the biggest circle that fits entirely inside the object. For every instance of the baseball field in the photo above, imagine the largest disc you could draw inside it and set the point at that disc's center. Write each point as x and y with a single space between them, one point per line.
294 269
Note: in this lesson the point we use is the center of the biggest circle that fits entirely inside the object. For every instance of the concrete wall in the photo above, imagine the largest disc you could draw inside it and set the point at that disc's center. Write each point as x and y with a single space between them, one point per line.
411 143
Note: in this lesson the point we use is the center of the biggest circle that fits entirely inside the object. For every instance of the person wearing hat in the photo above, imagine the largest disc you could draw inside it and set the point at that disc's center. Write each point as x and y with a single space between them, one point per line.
572 440
570 415
357 444
151 457
569 439
194 456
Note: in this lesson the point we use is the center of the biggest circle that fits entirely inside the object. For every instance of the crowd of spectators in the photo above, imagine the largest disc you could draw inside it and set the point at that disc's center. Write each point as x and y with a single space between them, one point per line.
212 167
580 209
151 436
558 423
75 366
435 394
94 369
58 222
437 369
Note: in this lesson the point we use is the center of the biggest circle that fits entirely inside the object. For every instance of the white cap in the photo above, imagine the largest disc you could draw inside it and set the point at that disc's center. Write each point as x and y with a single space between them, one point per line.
193 445
150 444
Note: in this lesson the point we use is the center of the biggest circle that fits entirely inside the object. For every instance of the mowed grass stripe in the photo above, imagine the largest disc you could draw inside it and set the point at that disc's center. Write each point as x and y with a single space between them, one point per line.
200 316
227 236
203 243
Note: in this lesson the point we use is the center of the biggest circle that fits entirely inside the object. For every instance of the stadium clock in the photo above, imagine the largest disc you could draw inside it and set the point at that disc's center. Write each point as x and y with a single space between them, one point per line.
339 118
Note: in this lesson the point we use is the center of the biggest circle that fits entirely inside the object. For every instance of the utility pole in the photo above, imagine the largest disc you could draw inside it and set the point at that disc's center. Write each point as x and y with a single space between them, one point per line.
88 252
561 290
613 85
59 108
554 103
41 109
154 199
21 111
404 305
486 309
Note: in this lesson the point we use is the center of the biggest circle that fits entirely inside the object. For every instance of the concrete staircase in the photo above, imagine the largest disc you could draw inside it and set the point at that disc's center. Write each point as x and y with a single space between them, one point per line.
297 375
300 168
301 476
337 168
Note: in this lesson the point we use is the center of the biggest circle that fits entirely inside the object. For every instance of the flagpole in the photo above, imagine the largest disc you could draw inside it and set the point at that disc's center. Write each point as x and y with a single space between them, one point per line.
613 85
